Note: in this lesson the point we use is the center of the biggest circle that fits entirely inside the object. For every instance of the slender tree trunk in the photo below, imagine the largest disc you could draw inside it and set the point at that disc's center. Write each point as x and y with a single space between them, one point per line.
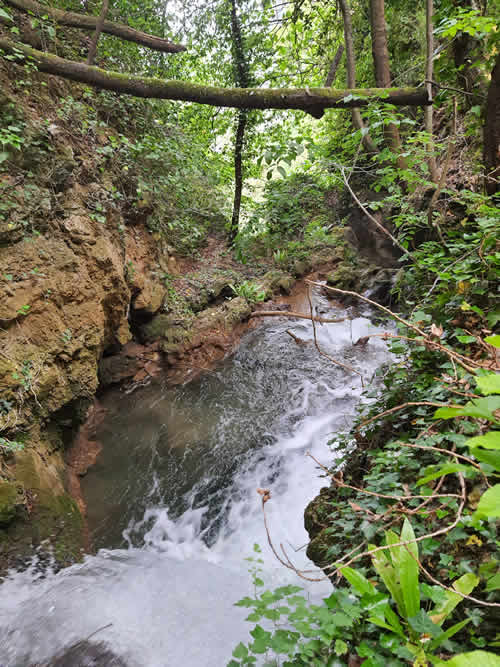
242 78
97 32
334 66
492 133
380 54
429 73
357 120
238 172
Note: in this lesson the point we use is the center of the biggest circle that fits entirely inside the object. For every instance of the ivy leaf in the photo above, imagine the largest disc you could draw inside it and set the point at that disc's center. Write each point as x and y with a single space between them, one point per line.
240 651
422 624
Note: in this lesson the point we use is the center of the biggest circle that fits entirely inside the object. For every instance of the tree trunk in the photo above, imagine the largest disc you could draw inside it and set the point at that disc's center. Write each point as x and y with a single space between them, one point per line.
357 121
238 173
97 33
242 79
310 100
492 133
380 54
334 66
86 22
429 73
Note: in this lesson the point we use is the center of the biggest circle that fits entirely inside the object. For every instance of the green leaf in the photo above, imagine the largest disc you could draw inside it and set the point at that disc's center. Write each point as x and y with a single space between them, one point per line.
489 384
387 573
340 647
490 440
240 651
493 583
281 171
359 582
5 15
487 456
493 340
422 624
481 408
408 570
446 469
489 503
474 659
440 639
465 585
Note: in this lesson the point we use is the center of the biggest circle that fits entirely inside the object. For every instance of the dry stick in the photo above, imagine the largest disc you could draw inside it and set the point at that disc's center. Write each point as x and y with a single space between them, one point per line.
371 217
401 407
292 313
373 493
446 451
462 360
453 590
324 354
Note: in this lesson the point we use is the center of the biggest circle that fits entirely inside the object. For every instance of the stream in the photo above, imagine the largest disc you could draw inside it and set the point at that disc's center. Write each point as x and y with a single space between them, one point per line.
173 508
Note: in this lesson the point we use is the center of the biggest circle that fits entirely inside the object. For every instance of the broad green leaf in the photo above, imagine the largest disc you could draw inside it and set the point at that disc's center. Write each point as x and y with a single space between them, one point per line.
382 624
447 469
493 583
440 639
493 340
489 384
465 585
489 503
490 440
387 573
487 456
359 582
474 659
408 570
481 408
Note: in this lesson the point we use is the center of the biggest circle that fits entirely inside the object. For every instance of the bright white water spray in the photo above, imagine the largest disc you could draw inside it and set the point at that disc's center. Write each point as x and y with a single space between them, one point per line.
172 502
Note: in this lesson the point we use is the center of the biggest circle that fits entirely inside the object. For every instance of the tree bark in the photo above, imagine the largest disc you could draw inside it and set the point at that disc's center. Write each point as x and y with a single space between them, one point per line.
334 66
87 22
97 33
242 79
310 100
491 133
429 73
380 54
357 120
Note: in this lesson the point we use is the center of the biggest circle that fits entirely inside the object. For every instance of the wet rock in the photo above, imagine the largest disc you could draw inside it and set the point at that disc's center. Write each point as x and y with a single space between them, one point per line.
8 501
87 654
276 280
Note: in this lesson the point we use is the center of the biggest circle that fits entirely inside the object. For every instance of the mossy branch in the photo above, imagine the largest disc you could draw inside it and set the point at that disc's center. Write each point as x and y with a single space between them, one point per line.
87 22
311 100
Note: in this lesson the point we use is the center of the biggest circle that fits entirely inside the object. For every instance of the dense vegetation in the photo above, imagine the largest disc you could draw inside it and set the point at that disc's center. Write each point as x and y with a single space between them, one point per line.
415 493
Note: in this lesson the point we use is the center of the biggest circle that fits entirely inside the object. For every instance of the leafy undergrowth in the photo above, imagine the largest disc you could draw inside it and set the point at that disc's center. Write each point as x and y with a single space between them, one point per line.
407 532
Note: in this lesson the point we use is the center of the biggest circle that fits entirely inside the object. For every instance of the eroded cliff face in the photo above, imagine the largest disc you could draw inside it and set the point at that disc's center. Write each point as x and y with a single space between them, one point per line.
67 298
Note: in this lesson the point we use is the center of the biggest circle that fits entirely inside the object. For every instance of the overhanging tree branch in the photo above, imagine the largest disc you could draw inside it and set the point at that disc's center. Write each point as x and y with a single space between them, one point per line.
86 22
311 100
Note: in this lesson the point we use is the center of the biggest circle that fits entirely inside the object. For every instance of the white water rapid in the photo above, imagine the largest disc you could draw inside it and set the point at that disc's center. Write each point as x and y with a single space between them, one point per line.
172 503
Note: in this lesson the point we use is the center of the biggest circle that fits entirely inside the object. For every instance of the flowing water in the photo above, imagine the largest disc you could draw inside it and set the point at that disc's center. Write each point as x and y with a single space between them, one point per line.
172 502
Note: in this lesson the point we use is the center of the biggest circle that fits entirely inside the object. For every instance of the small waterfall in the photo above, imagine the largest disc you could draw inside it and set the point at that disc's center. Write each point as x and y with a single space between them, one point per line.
172 502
